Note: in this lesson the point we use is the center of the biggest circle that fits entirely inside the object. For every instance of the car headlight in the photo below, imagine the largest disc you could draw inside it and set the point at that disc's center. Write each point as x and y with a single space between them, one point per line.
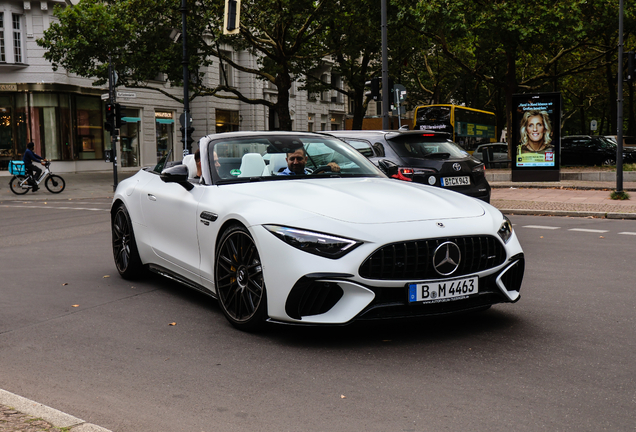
505 230
324 245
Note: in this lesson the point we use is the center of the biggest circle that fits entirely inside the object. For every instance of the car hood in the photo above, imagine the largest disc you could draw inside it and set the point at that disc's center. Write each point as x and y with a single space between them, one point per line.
367 201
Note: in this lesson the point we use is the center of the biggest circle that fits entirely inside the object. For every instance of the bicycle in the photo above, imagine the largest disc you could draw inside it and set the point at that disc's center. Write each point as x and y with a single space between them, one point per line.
21 184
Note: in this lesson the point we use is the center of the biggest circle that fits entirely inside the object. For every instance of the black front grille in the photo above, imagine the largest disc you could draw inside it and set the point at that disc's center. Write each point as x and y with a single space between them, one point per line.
413 260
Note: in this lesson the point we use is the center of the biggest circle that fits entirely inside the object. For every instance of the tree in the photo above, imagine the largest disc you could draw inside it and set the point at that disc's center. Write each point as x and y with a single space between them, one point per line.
476 35
133 34
284 35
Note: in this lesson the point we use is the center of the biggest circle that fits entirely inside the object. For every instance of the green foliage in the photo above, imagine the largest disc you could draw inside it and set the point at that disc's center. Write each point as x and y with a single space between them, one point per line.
622 195
463 51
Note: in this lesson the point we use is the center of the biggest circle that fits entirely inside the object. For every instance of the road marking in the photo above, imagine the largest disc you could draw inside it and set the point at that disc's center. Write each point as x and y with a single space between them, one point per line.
55 208
541 227
628 233
588 230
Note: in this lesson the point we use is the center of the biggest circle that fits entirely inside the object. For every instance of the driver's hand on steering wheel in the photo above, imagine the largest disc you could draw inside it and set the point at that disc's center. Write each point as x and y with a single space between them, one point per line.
334 167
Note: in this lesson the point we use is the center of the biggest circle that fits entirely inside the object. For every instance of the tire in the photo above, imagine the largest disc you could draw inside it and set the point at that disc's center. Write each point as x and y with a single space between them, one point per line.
239 280
125 250
55 183
14 184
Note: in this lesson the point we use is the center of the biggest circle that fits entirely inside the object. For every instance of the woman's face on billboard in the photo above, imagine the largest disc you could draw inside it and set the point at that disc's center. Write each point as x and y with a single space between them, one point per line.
535 128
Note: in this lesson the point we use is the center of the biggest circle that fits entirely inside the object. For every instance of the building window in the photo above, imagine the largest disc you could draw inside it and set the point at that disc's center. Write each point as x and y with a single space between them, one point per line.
336 81
2 57
17 39
227 121
226 72
325 94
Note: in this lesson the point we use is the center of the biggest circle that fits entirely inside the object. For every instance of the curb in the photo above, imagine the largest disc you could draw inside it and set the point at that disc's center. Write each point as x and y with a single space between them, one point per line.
498 185
51 415
582 214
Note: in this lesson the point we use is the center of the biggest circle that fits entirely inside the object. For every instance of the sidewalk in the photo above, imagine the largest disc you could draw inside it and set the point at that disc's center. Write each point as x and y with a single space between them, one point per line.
574 197
584 193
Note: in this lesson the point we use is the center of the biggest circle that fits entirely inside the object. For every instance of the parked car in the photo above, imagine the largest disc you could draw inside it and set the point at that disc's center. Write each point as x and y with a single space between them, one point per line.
592 150
498 151
424 157
318 247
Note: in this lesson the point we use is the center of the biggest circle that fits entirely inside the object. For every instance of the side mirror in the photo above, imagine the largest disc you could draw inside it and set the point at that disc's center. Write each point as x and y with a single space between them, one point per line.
388 167
177 174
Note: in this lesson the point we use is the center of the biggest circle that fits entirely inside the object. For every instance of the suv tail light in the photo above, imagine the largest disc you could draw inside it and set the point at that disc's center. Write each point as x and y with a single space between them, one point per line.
404 174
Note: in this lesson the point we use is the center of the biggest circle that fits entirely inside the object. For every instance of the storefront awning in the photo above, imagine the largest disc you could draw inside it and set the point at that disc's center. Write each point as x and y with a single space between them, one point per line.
131 119
164 121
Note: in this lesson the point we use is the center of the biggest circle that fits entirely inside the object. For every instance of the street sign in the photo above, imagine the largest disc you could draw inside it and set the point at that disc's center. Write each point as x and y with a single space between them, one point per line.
182 121
105 96
126 95
400 91
593 125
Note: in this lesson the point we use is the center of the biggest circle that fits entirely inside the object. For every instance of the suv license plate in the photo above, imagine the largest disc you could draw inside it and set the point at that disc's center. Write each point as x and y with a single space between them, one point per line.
443 290
455 181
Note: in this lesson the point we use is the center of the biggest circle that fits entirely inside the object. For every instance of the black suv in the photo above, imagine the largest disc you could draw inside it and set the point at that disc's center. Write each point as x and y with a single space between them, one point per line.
422 157
592 150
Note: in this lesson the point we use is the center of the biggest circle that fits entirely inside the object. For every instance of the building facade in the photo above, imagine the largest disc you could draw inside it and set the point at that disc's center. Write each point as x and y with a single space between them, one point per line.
63 114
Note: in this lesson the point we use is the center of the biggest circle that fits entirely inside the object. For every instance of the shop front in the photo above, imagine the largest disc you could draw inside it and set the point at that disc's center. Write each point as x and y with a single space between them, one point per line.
64 122
164 125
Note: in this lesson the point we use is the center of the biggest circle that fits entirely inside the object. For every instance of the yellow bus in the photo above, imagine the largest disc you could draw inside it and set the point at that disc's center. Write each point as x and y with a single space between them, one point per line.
469 127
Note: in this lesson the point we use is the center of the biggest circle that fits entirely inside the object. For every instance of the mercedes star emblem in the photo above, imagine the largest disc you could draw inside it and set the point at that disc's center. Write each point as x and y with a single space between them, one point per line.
446 258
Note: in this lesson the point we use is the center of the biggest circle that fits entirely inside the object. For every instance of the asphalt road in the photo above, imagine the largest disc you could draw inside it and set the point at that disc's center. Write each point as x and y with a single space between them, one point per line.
77 337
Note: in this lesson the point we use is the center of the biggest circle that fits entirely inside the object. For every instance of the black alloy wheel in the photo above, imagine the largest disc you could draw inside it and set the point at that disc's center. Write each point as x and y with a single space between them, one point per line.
125 251
55 183
239 280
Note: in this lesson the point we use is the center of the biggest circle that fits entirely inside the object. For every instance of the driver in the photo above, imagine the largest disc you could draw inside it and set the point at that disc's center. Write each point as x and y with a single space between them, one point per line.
296 162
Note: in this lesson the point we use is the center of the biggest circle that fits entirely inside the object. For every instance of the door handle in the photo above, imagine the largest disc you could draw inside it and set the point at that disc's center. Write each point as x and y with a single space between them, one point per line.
151 197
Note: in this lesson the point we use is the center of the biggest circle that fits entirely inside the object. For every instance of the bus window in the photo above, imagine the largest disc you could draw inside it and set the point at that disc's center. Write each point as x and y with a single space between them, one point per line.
469 127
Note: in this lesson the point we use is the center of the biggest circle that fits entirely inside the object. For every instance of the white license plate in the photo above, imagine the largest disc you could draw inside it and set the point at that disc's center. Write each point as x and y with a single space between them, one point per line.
455 181
443 290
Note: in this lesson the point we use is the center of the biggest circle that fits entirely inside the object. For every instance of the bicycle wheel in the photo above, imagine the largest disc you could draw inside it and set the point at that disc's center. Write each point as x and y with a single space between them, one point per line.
54 183
19 185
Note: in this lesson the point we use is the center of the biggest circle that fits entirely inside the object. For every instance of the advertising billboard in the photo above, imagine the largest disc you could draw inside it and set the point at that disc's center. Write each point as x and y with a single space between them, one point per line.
536 136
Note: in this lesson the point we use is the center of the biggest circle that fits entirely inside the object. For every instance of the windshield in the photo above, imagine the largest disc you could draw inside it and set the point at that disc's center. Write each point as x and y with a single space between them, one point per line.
286 157
417 146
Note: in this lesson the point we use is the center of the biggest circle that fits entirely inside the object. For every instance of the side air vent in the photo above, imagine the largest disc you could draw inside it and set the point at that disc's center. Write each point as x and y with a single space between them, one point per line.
513 275
312 297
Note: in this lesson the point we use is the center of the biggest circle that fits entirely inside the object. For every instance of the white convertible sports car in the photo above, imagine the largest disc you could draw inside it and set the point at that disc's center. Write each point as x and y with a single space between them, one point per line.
335 243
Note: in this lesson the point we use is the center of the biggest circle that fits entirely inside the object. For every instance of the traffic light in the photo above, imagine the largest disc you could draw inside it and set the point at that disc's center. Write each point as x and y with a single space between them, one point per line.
374 85
118 115
631 74
187 143
109 126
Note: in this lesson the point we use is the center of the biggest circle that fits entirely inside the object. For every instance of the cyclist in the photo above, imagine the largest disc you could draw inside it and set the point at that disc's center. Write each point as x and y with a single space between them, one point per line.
33 171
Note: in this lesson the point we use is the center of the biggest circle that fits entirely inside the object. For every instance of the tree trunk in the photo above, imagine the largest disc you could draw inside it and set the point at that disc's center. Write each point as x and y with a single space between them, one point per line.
359 110
283 84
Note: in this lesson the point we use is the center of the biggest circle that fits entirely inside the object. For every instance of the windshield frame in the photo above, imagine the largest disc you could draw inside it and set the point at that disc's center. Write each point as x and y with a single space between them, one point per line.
269 144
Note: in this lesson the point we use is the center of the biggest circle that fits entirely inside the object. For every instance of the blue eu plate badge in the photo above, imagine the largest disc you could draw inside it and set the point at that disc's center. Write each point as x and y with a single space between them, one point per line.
412 292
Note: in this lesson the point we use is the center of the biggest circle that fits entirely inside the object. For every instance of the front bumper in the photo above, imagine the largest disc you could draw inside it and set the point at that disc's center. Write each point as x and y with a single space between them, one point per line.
313 290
